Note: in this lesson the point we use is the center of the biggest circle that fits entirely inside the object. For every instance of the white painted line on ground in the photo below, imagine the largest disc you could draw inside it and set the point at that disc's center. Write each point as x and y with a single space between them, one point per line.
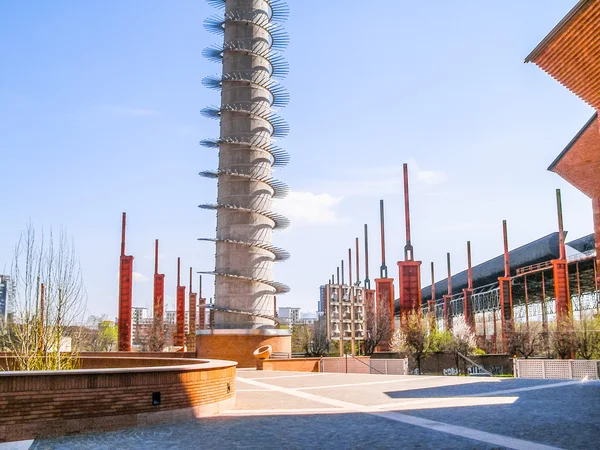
367 383
281 412
530 388
251 390
496 439
443 402
16 445
312 374
469 433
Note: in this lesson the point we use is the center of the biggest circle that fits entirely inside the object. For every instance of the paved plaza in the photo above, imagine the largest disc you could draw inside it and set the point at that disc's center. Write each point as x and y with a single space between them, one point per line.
295 410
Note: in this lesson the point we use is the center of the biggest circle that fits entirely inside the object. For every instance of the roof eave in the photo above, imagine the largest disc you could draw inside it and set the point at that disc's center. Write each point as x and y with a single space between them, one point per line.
571 15
572 142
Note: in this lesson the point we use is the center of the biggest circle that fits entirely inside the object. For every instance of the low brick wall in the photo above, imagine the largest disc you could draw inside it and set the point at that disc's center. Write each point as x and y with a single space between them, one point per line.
55 403
292 365
239 347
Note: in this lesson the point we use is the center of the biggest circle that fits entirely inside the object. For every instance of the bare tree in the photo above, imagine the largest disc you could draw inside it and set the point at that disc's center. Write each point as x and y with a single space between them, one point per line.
413 337
154 337
50 300
378 327
526 339
319 343
564 342
587 337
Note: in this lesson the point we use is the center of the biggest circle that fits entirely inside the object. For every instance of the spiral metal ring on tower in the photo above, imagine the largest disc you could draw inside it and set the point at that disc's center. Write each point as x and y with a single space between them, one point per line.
278 253
251 63
280 11
279 95
280 222
280 288
279 127
280 189
281 158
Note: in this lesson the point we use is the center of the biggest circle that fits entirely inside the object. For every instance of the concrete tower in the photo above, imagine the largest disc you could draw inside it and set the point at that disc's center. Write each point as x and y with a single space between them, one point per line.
244 285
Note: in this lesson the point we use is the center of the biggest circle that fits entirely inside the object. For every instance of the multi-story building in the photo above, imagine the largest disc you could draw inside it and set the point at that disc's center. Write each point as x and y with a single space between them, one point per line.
289 315
7 295
345 311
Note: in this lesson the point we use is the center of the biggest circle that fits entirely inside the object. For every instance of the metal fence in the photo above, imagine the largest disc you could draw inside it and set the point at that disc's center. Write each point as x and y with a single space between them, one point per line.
351 364
562 369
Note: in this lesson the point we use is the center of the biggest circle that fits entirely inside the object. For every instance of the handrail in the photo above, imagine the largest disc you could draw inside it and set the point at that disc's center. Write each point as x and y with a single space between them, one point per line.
475 364
369 365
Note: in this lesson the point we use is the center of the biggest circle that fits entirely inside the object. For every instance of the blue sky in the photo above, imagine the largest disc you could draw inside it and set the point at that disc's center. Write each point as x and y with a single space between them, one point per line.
99 114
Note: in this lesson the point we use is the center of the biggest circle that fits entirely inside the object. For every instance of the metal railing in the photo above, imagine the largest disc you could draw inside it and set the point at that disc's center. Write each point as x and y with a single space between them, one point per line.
352 364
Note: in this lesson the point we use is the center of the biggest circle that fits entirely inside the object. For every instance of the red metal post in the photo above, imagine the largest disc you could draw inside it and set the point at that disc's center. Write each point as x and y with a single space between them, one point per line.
180 310
409 281
506 257
432 281
383 268
350 267
125 293
449 274
357 264
560 270
506 304
447 305
408 248
367 281
202 309
159 288
41 327
468 293
192 317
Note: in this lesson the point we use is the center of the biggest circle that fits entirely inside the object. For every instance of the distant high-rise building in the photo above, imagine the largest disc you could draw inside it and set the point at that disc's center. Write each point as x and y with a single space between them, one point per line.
322 300
7 295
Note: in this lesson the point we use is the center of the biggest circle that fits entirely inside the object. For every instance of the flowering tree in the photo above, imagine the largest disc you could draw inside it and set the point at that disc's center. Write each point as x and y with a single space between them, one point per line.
463 341
413 337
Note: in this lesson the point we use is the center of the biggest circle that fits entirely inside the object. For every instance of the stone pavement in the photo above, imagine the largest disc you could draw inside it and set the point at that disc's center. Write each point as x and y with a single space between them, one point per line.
355 411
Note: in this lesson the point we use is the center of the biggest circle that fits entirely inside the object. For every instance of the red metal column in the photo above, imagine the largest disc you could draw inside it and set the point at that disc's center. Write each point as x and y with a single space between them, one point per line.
596 212
560 270
506 304
180 311
468 293
448 297
192 318
125 294
159 288
202 309
409 282
384 286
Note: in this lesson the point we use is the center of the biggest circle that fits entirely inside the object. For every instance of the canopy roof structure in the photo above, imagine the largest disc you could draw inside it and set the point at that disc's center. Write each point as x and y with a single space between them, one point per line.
570 52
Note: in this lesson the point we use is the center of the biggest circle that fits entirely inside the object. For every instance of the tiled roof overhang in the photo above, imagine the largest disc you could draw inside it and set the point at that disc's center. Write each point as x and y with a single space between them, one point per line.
571 52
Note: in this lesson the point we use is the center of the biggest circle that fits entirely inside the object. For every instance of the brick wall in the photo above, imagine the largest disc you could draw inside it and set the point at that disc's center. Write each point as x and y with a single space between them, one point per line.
293 365
239 348
40 404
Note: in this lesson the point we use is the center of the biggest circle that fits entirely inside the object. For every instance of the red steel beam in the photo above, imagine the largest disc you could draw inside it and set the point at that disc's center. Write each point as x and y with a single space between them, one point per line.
125 294
159 288
408 248
180 310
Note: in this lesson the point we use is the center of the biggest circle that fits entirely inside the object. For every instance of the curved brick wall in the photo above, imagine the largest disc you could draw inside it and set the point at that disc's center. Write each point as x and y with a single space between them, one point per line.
111 393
